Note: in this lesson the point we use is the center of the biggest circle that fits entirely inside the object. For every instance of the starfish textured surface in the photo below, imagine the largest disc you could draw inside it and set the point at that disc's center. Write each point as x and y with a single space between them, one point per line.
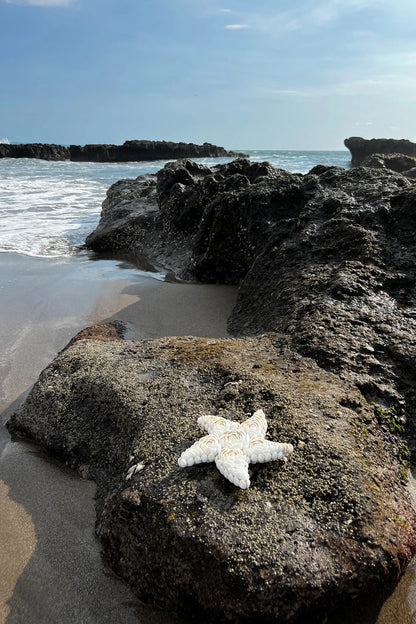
233 446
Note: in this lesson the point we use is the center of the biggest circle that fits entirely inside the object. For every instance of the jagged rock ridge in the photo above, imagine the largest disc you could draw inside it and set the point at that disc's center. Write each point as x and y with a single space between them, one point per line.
130 151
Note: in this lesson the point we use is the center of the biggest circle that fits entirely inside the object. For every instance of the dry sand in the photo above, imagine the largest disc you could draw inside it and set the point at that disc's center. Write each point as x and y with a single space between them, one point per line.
50 566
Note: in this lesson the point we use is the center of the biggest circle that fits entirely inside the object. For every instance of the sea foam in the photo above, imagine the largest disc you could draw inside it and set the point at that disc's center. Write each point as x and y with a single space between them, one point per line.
48 208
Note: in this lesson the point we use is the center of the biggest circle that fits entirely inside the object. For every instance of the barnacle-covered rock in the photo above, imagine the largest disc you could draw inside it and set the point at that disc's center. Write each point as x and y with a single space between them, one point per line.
313 538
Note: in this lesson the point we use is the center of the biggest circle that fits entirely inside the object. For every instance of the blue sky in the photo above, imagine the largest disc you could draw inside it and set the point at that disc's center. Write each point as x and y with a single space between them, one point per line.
265 74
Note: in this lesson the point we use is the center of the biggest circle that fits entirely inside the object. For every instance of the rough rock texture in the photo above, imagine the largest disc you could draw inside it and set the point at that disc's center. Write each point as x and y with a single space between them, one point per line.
361 148
410 173
342 285
206 223
131 223
130 151
331 526
104 332
327 258
396 162
45 151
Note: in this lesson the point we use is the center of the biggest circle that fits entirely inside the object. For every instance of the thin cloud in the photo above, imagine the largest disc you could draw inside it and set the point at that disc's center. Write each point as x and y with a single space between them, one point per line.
41 3
353 87
236 26
316 15
328 12
285 92
381 85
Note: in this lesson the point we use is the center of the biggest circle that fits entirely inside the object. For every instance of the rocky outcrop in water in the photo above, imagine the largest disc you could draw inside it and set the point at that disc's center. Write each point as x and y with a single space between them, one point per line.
204 223
325 264
130 151
310 539
395 162
44 151
361 148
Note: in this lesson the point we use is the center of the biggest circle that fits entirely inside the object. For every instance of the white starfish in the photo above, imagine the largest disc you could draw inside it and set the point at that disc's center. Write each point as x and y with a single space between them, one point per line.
233 446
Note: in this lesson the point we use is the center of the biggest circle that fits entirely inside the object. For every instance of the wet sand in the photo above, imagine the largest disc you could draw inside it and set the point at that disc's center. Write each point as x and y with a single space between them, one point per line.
50 565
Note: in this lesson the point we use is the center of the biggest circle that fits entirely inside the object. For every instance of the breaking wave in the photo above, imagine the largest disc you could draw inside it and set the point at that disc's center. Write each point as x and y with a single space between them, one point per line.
48 208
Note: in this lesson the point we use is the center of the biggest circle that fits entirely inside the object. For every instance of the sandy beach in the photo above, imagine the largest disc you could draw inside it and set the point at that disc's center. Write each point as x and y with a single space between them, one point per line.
50 563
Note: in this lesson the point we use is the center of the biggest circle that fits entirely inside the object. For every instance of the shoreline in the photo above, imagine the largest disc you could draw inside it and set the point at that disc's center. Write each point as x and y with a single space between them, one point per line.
47 541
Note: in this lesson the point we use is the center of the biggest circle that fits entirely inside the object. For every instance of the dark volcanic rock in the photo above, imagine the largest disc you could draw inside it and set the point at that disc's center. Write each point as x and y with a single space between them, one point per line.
327 258
410 173
130 151
342 284
396 162
45 151
361 148
131 223
332 526
206 223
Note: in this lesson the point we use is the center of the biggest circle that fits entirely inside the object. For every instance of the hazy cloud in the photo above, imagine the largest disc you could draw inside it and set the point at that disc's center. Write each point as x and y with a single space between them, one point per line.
331 10
381 85
236 26
41 3
308 16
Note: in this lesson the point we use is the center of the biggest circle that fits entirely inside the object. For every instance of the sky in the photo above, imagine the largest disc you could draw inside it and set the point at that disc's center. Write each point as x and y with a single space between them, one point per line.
258 74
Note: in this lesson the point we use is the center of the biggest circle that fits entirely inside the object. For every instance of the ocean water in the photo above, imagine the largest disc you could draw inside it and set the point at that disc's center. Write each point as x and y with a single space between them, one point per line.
48 208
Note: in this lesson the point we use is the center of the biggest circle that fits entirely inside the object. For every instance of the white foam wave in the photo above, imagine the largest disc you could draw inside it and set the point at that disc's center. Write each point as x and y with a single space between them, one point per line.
44 211
49 208
5 141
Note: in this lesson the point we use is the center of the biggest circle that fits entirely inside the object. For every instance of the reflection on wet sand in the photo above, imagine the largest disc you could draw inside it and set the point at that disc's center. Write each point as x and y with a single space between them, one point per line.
17 544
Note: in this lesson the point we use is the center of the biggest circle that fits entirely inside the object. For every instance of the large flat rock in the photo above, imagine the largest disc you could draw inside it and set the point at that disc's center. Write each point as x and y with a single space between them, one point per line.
330 528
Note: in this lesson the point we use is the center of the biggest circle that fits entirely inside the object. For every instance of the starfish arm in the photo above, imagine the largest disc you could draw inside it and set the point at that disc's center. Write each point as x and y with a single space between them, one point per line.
261 450
203 451
233 465
216 424
256 425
